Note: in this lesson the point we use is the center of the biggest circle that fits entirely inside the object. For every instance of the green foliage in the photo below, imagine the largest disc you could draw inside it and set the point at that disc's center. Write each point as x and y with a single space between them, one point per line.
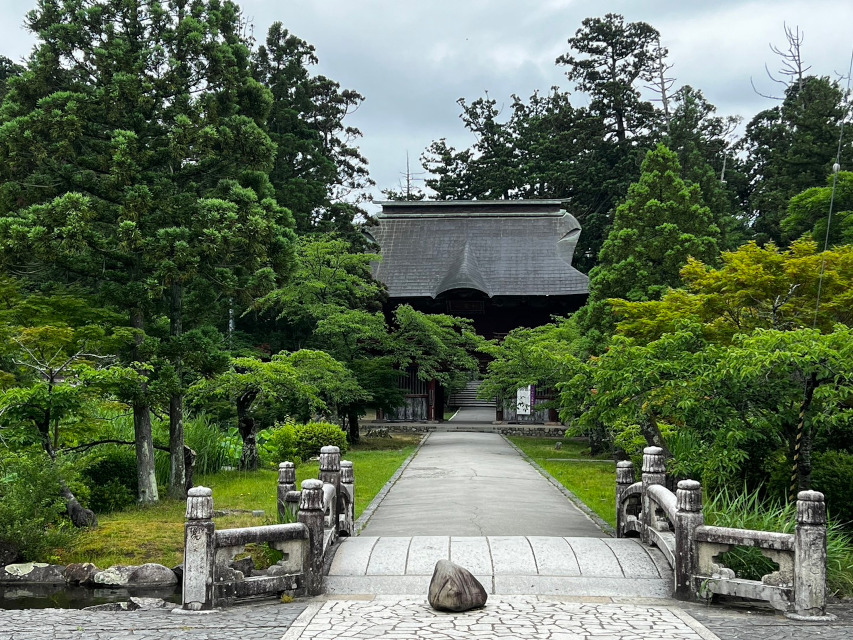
754 288
832 475
662 223
539 356
440 345
281 445
209 443
791 148
311 437
808 212
32 511
110 475
613 58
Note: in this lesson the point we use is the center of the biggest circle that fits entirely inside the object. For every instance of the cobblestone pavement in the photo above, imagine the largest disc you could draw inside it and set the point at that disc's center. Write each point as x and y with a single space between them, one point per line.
517 618
763 624
244 622
405 617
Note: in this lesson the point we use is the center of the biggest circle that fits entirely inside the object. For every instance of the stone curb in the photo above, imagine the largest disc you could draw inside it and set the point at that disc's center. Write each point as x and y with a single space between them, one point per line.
580 504
379 497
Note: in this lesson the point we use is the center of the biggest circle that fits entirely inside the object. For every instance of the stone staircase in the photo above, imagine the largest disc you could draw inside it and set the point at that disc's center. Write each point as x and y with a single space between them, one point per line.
467 397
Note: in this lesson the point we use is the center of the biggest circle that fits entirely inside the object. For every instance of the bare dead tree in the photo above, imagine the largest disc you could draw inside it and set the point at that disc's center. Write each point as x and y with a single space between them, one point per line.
660 82
793 69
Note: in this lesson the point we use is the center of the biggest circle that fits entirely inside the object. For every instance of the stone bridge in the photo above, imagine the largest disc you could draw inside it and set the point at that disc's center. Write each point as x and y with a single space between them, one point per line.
472 499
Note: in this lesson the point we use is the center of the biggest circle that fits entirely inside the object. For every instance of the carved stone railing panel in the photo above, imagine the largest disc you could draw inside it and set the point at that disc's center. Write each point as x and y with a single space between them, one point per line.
674 523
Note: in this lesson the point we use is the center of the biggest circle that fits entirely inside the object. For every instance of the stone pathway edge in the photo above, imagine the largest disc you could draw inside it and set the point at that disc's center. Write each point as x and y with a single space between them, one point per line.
580 504
377 500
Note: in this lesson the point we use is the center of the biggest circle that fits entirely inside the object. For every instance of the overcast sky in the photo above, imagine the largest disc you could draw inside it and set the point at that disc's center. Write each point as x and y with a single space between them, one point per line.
413 60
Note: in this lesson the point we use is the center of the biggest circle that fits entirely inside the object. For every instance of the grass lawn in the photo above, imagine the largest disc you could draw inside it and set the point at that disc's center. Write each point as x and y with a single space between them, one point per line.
156 534
592 482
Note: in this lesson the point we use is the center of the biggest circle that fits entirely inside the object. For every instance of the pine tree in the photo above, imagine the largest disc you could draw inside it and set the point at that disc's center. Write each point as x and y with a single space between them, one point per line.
662 222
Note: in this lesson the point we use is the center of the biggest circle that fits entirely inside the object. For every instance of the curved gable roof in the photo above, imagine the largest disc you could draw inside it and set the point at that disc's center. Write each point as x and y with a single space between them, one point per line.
503 248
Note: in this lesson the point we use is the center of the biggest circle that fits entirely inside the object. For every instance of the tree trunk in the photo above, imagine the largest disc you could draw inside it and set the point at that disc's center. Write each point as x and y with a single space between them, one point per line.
249 460
143 435
353 434
803 443
177 470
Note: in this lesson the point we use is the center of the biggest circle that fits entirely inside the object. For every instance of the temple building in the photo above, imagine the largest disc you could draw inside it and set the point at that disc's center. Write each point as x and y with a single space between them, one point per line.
502 263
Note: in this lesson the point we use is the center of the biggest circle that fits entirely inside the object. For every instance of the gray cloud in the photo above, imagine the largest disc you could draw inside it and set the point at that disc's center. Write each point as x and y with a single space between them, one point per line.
413 60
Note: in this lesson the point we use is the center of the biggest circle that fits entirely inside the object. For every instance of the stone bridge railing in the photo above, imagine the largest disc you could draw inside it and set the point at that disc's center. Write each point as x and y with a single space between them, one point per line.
314 518
674 523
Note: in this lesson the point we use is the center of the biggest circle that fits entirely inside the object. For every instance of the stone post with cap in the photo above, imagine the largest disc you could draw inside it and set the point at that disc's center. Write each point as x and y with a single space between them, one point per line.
311 514
286 484
688 516
654 472
199 551
624 479
348 488
810 556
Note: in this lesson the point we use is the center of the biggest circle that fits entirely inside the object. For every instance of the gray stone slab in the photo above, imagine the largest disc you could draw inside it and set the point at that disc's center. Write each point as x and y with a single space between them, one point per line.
595 558
554 556
389 557
424 552
472 553
353 556
475 484
512 555
582 586
634 559
388 585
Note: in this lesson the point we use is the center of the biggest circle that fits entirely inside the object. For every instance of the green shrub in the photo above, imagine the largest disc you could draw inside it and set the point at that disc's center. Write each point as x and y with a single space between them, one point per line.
209 443
279 445
110 474
311 437
832 474
32 511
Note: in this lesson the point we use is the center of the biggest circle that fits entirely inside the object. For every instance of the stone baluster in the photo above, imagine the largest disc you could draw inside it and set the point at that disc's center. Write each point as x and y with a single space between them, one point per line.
688 516
312 516
810 555
654 472
199 551
624 479
348 487
286 483
330 471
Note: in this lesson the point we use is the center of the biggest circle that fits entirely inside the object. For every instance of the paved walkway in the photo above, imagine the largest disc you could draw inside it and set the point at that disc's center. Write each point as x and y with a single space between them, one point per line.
475 484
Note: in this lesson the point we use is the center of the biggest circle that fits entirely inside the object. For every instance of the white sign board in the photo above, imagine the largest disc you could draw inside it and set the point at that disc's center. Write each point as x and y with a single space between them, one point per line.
522 401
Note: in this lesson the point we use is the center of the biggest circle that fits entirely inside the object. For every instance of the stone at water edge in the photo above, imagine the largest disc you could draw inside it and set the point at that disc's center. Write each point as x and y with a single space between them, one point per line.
81 573
454 588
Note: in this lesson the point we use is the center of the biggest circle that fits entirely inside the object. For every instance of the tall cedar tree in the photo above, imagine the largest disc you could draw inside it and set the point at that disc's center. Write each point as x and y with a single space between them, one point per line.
661 224
134 161
791 148
318 173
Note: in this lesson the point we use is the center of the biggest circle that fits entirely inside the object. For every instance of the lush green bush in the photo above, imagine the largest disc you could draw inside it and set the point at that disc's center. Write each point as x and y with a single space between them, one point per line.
210 443
110 474
311 437
280 445
832 474
32 511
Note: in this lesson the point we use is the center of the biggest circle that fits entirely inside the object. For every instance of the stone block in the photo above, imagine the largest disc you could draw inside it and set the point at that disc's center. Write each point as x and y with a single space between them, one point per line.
454 588
81 573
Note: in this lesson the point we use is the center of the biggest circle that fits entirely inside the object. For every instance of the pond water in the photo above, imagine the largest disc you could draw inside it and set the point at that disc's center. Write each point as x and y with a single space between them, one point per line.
36 596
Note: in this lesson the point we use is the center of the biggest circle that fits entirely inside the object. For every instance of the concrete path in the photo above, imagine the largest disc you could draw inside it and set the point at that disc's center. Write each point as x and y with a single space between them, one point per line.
475 484
476 415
